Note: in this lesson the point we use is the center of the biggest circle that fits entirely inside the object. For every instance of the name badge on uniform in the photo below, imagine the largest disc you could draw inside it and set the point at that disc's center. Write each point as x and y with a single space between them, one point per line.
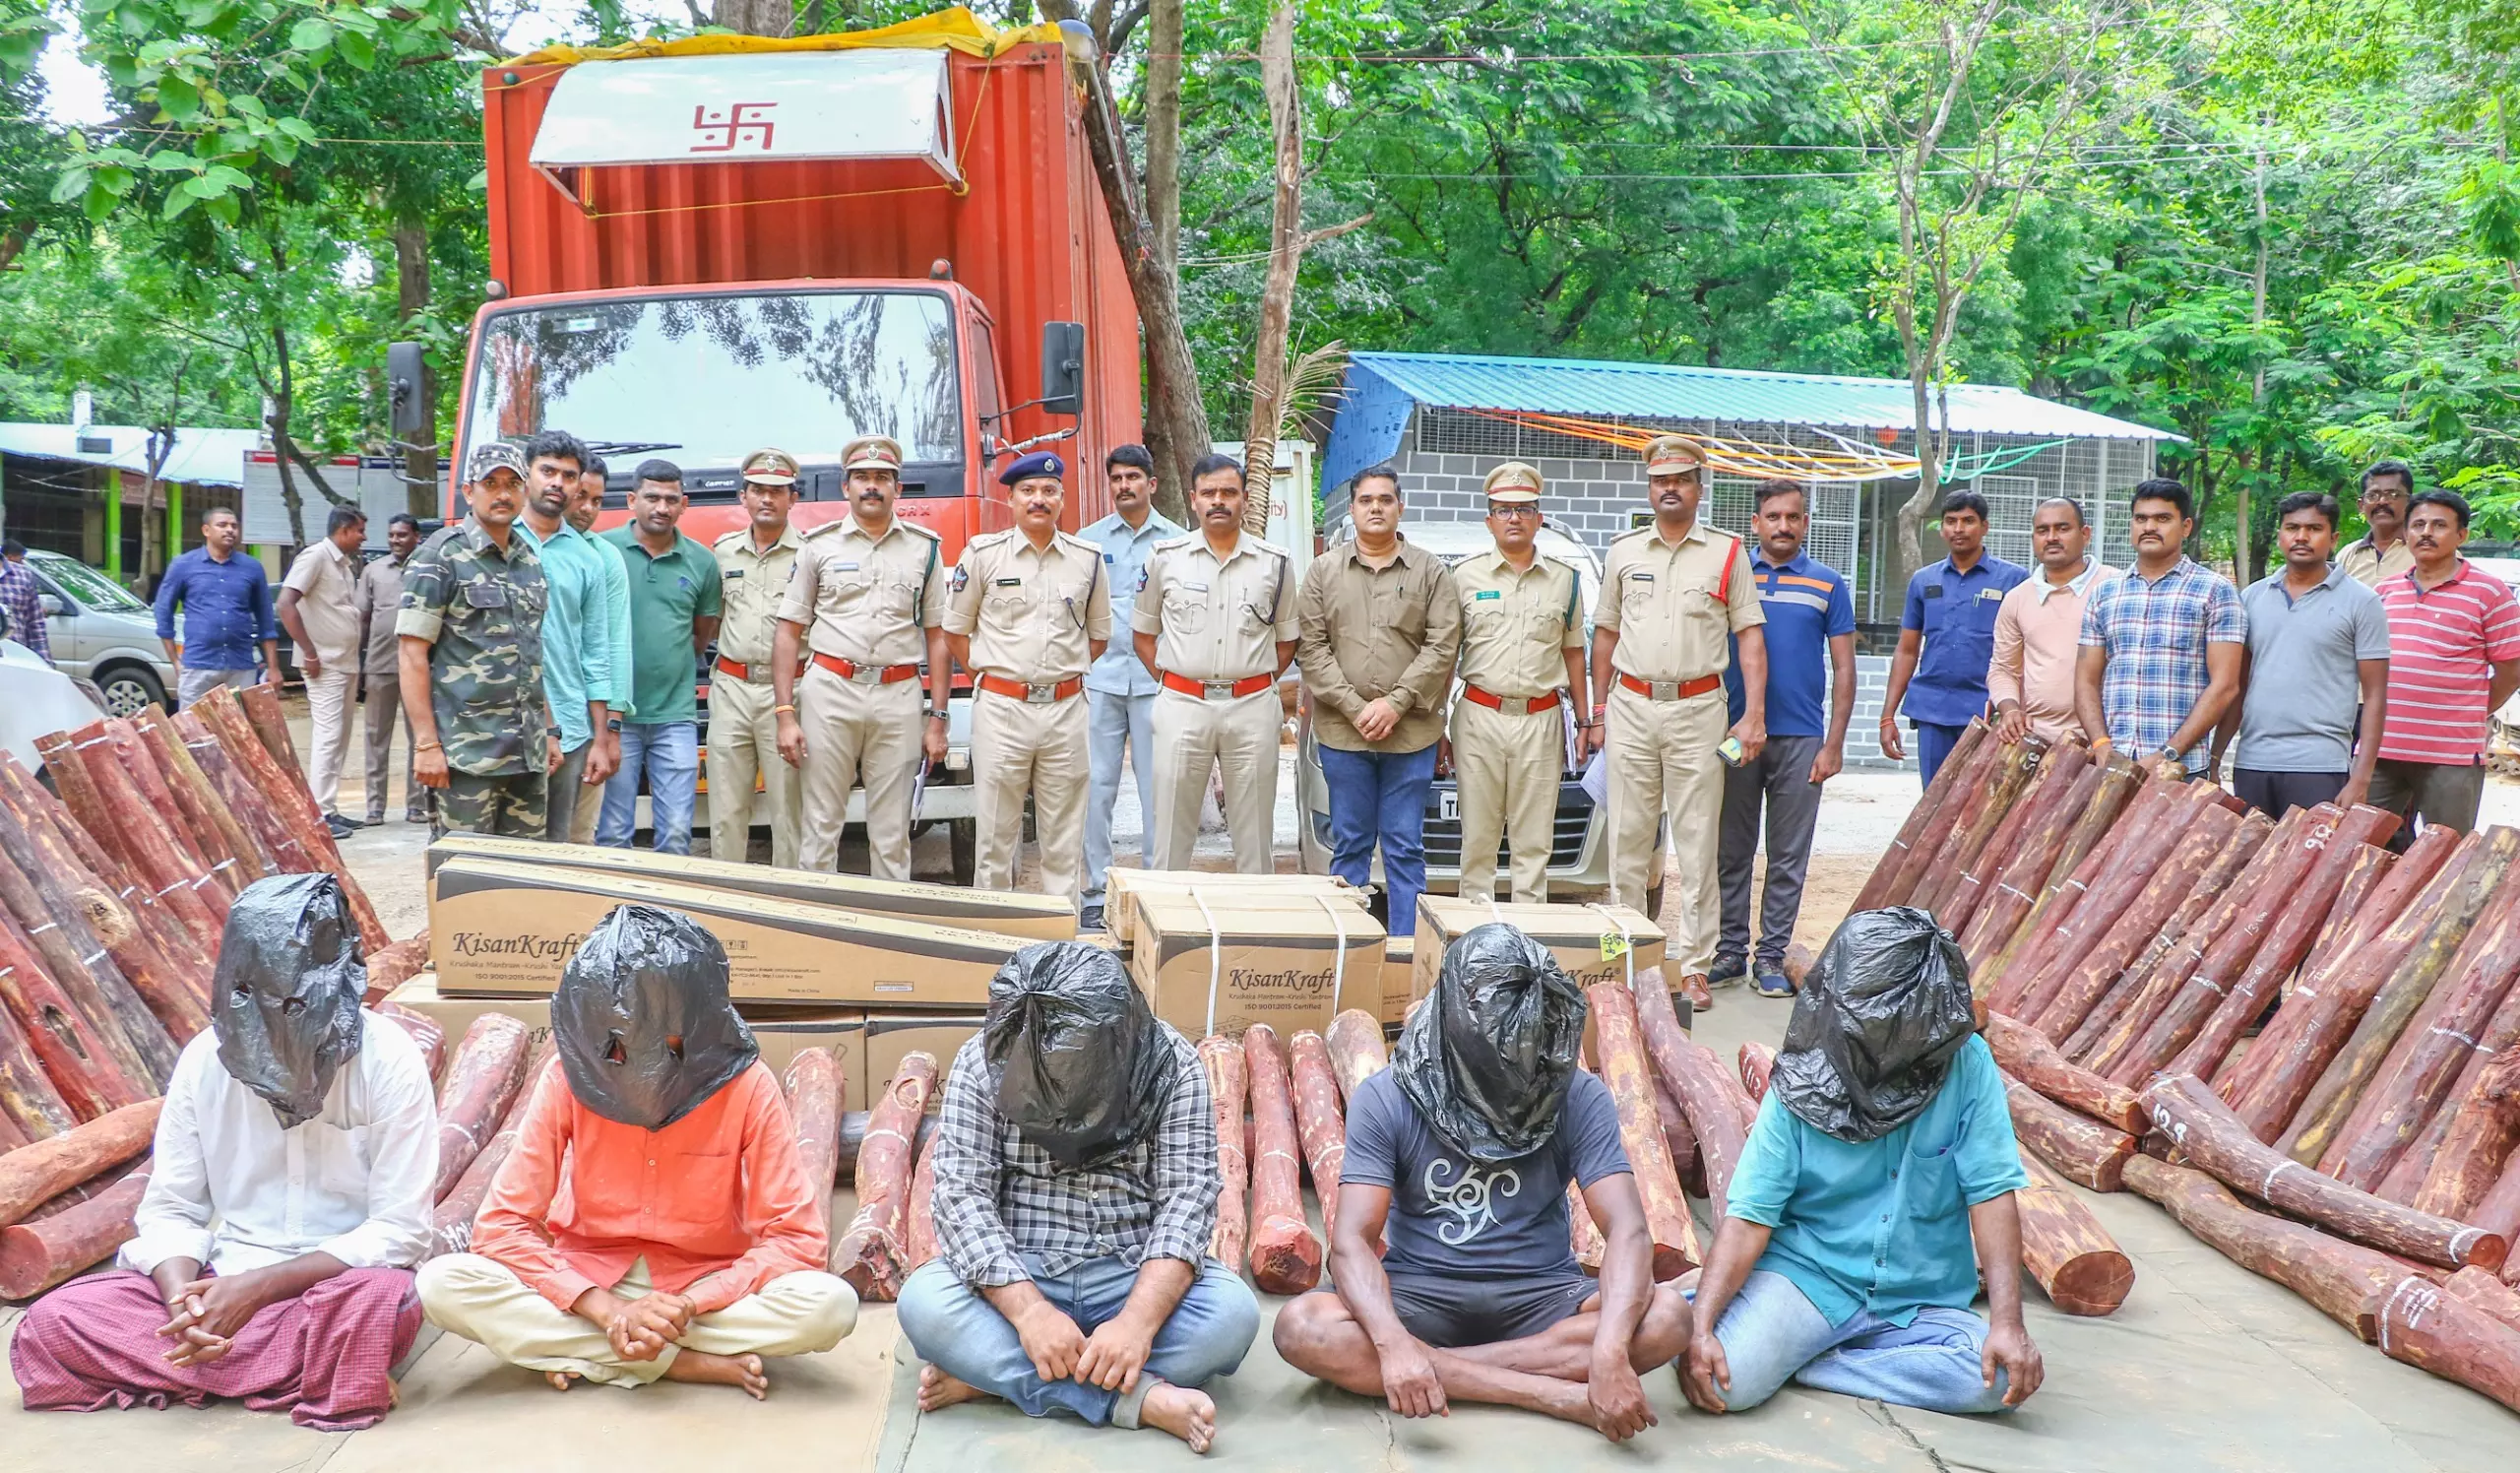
1641 577
1010 583
1196 588
1933 591
1484 594
1991 595
848 567
486 595
731 574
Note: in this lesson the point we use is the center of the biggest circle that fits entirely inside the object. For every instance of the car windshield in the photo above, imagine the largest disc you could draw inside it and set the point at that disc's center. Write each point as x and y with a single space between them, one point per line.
91 588
715 378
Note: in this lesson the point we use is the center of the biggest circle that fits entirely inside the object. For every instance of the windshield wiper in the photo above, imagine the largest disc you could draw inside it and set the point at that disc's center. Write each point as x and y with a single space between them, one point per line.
610 448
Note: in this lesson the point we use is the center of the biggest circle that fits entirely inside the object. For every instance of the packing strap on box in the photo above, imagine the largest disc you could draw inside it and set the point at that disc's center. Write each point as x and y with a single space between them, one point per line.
1216 956
1339 957
1626 941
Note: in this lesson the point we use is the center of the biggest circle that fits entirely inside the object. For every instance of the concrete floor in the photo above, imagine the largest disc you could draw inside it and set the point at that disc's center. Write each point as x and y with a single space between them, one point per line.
2205 1367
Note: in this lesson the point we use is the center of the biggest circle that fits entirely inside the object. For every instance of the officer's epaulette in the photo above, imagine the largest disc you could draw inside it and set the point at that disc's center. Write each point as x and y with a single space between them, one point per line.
989 538
1184 540
1266 545
740 532
906 525
1645 530
828 528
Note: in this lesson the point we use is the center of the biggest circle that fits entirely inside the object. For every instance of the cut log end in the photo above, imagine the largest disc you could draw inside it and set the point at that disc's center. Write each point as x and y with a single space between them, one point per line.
1285 1258
2094 1284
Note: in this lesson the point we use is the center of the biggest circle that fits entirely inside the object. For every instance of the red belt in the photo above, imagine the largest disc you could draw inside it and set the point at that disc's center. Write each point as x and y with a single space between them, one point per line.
1042 694
1495 702
848 669
1666 691
1219 690
740 671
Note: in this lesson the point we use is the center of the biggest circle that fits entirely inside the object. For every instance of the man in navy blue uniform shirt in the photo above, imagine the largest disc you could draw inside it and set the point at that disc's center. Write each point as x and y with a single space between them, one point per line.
1947 637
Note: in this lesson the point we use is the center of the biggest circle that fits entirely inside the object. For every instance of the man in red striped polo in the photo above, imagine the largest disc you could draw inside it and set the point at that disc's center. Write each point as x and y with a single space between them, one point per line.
2454 659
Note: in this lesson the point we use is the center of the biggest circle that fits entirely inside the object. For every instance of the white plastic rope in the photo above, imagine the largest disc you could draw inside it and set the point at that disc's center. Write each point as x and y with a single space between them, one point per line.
1216 956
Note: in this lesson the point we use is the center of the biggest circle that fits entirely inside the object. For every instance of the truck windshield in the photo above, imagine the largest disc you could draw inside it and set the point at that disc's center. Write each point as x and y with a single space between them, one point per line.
720 376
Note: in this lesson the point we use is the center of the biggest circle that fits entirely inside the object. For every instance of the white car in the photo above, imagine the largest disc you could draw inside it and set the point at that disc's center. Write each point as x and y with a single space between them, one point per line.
101 634
1579 849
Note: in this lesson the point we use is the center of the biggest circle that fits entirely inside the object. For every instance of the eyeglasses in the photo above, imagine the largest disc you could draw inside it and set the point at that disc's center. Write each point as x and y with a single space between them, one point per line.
1514 509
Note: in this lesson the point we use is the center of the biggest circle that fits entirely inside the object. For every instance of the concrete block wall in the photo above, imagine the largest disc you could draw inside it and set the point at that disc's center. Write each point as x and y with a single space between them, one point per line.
1595 500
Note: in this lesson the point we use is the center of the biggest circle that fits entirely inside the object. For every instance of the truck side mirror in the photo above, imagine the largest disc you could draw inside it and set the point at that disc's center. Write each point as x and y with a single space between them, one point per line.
1063 368
406 374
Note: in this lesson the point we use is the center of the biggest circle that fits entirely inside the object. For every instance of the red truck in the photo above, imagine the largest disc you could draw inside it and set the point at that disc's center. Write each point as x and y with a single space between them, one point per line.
700 248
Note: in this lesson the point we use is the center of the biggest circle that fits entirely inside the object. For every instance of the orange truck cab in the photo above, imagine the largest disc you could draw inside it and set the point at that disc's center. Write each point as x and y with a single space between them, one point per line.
703 247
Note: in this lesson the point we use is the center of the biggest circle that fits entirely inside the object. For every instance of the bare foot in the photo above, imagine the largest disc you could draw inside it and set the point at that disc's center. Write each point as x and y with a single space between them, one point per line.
1186 1414
393 1393
703 1368
560 1381
938 1391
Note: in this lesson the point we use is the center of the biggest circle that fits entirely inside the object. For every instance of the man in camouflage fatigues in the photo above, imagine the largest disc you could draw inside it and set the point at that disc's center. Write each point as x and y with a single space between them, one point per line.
471 628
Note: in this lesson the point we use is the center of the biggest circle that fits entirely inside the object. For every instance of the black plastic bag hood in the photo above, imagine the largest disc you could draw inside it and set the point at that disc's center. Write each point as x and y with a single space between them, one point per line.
641 1022
1083 1067
1487 1057
288 985
1874 1030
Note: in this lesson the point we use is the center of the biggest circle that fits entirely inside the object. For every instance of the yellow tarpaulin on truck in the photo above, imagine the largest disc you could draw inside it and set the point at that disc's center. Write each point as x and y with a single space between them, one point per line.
955 29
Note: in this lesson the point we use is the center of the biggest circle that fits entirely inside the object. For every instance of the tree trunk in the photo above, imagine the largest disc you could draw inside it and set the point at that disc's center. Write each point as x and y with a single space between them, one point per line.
412 291
1278 284
451 1224
871 1255
1707 1091
1223 1059
1286 1256
2056 772
1164 44
2010 771
1918 829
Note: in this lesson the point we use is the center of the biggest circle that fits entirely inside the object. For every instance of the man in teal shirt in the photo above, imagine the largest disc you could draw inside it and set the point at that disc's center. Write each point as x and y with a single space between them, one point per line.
1844 1260
674 592
586 630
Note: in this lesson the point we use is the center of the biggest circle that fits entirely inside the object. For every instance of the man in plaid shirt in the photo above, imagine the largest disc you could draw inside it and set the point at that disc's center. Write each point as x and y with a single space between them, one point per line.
2162 645
1076 1188
23 601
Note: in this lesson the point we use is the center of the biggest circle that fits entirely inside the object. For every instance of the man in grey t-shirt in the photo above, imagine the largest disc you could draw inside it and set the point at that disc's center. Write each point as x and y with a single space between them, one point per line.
2318 654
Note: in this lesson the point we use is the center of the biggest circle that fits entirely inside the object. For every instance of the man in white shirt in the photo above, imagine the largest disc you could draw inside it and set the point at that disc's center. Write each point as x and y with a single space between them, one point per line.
319 608
289 1198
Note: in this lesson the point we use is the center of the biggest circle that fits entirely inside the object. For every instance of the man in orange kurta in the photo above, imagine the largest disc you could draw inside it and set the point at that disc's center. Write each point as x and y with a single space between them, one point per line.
653 1221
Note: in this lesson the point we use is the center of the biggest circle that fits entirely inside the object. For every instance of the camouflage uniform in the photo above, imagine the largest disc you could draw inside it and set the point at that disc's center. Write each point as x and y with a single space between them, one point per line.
481 611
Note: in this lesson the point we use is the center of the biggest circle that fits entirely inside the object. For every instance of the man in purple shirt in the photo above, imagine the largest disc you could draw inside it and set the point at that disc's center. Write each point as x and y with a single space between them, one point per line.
22 600
226 603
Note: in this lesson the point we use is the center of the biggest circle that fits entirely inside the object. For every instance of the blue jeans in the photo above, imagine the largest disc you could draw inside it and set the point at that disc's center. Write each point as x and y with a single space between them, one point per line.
669 753
1933 744
1381 796
954 1328
1771 1333
1120 723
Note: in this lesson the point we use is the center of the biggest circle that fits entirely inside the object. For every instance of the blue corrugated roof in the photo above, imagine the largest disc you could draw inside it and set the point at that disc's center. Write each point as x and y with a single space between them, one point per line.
1664 391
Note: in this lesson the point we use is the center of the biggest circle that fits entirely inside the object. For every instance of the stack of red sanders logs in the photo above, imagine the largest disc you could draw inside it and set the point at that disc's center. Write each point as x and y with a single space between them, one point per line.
2128 936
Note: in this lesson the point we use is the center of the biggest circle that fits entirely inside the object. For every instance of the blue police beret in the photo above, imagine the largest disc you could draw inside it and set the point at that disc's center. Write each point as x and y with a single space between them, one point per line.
1038 463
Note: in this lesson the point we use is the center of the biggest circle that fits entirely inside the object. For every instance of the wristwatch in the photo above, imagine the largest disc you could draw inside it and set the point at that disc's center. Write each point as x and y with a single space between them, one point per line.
2174 757
613 724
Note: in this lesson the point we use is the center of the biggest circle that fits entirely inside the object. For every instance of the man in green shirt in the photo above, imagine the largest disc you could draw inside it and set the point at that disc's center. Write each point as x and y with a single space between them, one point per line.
674 617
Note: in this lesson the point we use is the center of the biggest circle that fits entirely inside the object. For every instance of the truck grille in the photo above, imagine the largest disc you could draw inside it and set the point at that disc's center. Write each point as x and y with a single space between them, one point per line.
1566 844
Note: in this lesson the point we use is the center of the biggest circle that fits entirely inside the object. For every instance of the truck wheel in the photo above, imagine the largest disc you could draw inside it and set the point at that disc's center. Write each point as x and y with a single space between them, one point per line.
964 834
130 689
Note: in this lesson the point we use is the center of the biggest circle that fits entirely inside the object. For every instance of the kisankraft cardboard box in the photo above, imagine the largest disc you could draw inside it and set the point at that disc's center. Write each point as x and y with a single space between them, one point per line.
890 1036
781 1033
503 930
1226 966
1124 885
1592 942
1037 918
1399 978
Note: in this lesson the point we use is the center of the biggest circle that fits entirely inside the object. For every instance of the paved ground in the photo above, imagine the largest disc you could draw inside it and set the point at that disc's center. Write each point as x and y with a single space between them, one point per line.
2206 1367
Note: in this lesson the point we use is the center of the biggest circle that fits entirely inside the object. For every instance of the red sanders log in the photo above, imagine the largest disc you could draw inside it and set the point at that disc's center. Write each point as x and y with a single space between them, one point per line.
1221 1058
1357 1050
813 1086
395 965
2027 1055
1977 879
244 802
2117 878
871 1255
202 805
2011 771
1978 763
64 842
1318 1121
130 752
2483 1130
1285 1258
425 1035
2340 1280
1757 1061
2074 1261
29 1104
260 705
285 794
156 957
157 861
1631 1086
2351 909
2486 1293
36 1256
1707 1090
2453 1339
33 1175
451 1224
1680 1137
59 921
95 1070
481 1082
919 1236
2121 806
2081 1149
2014 891
1877 886
2214 1141
2077 984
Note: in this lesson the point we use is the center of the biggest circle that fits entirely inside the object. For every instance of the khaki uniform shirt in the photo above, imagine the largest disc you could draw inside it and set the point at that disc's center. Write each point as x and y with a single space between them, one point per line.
2371 566
1517 628
1029 612
327 582
867 599
380 598
751 585
1367 634
1216 621
1672 604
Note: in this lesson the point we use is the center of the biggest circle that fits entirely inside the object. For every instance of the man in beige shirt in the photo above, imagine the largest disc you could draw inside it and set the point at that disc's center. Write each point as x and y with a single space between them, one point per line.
1522 665
2381 553
867 598
1028 614
1377 628
1671 594
1215 621
319 608
380 597
2039 628
753 564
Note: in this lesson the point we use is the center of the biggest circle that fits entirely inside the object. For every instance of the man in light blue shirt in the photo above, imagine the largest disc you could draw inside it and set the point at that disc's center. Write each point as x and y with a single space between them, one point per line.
1880 1174
1119 686
586 630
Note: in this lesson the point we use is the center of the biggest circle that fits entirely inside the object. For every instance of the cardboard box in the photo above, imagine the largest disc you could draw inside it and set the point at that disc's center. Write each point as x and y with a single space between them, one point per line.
1290 968
1592 942
1119 914
1038 918
781 1032
503 930
890 1036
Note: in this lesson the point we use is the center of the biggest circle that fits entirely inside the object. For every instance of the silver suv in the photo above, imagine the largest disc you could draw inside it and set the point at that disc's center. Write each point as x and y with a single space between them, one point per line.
102 634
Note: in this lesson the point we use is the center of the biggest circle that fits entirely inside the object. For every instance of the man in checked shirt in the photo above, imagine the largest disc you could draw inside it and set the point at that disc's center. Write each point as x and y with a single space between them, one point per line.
1076 1191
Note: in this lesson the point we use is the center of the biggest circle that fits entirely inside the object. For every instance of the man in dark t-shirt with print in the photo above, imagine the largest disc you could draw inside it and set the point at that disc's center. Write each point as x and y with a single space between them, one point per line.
1460 1156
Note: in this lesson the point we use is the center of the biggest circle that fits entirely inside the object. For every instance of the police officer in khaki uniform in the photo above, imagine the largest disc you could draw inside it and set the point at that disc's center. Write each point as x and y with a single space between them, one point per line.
1215 622
1028 613
753 564
1671 593
867 598
1522 664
